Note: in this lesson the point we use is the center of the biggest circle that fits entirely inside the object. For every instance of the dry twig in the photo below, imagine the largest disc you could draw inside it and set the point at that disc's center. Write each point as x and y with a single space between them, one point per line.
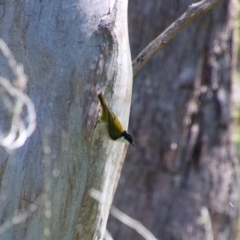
158 43
19 130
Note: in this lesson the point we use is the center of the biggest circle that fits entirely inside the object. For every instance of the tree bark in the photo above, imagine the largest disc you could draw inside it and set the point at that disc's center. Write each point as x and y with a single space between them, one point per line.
70 50
181 179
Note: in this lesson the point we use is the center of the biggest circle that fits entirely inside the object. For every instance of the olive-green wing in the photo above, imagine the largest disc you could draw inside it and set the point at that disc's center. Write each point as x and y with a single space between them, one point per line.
115 128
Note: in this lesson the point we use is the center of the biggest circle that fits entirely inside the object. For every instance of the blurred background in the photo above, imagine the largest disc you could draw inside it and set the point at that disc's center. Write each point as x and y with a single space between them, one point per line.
181 179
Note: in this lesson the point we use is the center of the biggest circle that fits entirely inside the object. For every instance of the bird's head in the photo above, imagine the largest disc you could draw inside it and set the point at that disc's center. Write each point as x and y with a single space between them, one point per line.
128 137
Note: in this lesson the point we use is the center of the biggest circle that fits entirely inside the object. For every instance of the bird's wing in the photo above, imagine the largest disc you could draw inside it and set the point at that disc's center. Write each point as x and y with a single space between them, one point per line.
115 128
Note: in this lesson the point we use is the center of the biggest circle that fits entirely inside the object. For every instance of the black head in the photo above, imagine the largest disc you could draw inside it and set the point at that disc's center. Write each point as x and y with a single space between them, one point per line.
128 137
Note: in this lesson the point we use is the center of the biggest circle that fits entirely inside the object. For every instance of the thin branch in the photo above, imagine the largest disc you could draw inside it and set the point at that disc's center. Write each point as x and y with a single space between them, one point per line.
205 220
17 69
22 217
19 131
160 42
145 233
123 218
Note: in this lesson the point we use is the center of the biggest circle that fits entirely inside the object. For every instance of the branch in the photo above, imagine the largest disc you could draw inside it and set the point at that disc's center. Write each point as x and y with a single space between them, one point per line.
146 234
137 226
17 219
19 131
158 43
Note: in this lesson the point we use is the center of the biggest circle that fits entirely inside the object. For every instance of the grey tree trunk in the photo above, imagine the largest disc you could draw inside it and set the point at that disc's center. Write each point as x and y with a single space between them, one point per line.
181 179
70 50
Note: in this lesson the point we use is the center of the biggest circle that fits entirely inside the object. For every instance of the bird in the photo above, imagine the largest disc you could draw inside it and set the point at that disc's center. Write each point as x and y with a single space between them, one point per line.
112 127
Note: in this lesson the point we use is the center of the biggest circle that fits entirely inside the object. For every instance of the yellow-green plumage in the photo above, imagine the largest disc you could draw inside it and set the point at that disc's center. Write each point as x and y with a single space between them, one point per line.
112 126
115 128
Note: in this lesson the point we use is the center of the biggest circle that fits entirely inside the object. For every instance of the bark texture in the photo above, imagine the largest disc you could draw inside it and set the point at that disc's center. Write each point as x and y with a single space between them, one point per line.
182 169
70 50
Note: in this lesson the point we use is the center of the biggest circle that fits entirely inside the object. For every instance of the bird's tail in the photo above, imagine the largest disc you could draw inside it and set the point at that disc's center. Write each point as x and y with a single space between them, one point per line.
102 100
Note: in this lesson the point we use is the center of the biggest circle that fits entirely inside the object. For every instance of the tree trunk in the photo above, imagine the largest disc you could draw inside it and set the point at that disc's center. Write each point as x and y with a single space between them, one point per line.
70 50
181 179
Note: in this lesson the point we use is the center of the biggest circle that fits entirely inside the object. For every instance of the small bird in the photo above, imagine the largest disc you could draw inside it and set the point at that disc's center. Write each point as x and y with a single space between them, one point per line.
113 128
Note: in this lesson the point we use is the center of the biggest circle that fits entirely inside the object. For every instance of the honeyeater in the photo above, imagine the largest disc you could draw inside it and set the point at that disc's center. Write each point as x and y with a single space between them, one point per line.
112 127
